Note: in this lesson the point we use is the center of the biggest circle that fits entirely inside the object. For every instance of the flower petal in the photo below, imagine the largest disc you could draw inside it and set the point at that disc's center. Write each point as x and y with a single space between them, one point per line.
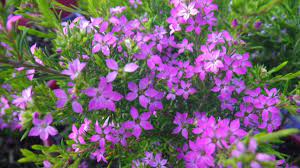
112 64
131 67
77 108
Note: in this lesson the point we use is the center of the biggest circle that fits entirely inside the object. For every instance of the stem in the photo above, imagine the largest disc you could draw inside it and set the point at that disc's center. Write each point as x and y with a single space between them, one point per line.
28 65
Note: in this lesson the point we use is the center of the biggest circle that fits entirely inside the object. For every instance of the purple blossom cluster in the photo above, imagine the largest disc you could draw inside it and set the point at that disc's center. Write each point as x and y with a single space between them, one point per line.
145 75
210 137
150 160
109 134
193 15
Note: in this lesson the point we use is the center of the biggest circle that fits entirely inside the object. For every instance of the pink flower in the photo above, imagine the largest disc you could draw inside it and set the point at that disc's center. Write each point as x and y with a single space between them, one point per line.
187 11
185 45
26 98
103 97
185 90
113 65
74 69
76 135
117 10
200 154
183 122
103 43
139 122
37 60
3 105
213 64
30 74
42 128
100 135
47 164
158 161
11 20
99 154
63 99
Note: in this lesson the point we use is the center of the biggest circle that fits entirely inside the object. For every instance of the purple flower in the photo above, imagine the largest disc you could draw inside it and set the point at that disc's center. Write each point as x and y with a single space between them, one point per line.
182 151
183 122
102 133
221 133
74 69
37 60
26 98
103 97
257 25
187 11
103 43
76 135
3 105
47 164
241 63
121 136
117 10
135 3
99 154
185 90
113 65
213 64
154 62
200 154
12 19
195 25
185 46
271 119
239 85
139 122
30 74
42 128
63 99
234 23
158 161
143 84
137 164
85 127
149 96
148 158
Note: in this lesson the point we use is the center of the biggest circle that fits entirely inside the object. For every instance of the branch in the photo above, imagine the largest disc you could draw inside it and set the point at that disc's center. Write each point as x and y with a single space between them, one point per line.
28 65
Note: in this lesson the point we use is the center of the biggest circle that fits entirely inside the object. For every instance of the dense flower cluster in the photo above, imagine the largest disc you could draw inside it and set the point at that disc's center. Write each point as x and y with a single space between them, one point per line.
150 160
210 137
145 75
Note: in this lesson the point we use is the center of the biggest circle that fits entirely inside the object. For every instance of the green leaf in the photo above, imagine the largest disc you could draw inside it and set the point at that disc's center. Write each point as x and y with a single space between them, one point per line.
37 147
68 9
286 77
269 6
37 33
275 136
27 152
49 19
53 148
24 135
278 68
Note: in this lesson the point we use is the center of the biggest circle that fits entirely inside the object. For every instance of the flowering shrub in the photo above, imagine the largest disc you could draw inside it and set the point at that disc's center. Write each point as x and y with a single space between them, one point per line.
124 90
